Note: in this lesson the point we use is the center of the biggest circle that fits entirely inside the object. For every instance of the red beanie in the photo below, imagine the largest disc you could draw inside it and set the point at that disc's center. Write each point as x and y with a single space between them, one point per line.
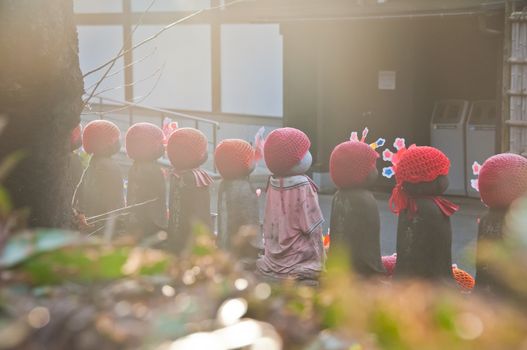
234 158
284 148
351 162
187 148
144 142
421 164
76 138
101 137
502 179
463 278
418 164
389 262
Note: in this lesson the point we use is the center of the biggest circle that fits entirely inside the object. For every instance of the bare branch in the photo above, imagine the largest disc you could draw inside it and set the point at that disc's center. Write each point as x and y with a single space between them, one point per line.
158 70
120 211
128 65
120 54
167 27
94 232
139 99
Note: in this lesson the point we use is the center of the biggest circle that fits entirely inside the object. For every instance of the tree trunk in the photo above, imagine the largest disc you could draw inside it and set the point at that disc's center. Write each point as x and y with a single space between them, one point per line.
40 94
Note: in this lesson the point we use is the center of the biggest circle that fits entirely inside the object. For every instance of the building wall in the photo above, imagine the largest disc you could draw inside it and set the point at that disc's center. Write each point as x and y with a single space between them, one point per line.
331 76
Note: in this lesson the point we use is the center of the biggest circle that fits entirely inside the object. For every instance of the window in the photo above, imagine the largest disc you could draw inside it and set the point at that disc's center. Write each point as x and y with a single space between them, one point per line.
170 5
185 52
97 6
251 69
98 45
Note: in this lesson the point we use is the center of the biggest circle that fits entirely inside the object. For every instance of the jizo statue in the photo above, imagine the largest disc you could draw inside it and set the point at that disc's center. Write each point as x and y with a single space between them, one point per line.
101 187
424 232
146 181
355 222
238 213
189 199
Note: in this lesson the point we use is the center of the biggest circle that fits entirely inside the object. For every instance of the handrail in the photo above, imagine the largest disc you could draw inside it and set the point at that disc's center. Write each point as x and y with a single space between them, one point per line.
160 110
163 114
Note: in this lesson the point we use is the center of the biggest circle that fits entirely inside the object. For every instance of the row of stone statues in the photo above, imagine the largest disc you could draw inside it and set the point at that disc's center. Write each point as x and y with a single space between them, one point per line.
292 243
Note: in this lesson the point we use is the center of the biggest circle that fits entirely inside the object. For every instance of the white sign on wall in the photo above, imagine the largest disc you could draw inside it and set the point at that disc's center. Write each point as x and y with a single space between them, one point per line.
387 80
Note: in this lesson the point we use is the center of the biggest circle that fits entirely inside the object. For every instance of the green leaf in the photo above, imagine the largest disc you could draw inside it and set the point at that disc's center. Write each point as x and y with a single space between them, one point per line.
78 263
297 306
385 326
444 315
9 163
5 202
155 269
199 250
86 262
23 246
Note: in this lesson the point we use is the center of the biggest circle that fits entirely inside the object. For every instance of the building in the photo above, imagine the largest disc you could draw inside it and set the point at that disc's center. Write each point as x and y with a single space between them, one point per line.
330 67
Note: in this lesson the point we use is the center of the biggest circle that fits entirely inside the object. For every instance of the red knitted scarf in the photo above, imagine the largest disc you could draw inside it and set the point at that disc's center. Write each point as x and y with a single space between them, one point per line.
400 200
201 177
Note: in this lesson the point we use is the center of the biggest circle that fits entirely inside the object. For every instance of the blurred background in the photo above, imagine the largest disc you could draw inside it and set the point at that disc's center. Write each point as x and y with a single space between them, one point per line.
441 73
444 73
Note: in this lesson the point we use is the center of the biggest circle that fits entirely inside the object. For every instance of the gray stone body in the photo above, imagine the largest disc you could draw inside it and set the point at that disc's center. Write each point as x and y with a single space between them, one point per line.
424 242
490 229
100 189
355 227
146 182
238 218
189 206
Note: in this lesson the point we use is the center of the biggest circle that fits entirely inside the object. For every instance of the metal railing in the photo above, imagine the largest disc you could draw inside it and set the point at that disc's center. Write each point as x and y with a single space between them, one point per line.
109 108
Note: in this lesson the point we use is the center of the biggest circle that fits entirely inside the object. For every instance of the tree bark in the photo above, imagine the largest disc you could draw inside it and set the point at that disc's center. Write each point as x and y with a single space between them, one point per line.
40 94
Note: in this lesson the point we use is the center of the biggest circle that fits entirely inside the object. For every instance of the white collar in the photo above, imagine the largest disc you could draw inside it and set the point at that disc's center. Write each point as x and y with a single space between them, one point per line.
288 181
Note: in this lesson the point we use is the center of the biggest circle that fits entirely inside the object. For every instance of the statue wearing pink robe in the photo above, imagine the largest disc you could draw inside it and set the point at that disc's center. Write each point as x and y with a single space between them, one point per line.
292 230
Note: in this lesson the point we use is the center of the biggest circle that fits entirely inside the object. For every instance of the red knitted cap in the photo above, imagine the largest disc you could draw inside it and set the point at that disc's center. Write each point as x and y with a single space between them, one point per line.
421 164
144 141
101 137
187 148
351 162
389 262
76 138
284 148
502 179
234 158
463 278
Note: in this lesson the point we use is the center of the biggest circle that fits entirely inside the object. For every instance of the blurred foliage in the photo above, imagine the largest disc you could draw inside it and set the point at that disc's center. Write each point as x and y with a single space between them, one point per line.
26 244
63 290
85 157
10 219
9 163
6 167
